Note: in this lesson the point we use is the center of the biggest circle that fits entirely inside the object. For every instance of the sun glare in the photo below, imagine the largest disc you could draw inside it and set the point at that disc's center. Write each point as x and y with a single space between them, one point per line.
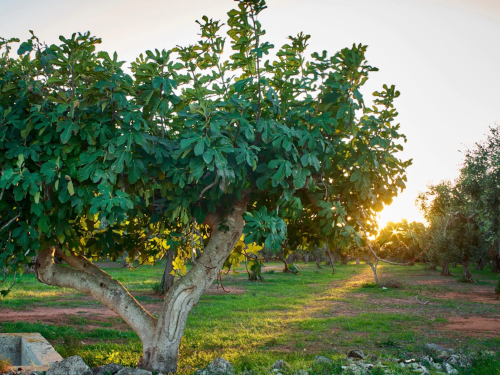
396 212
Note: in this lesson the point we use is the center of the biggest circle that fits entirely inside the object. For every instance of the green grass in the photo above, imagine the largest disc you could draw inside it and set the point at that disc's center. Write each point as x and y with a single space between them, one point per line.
290 317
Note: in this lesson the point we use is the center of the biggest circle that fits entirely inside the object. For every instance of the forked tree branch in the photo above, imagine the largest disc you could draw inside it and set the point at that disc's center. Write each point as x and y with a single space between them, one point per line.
86 279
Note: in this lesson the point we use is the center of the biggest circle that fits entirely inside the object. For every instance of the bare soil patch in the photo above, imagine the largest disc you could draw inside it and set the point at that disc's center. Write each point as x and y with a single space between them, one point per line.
53 315
215 290
474 326
68 316
469 296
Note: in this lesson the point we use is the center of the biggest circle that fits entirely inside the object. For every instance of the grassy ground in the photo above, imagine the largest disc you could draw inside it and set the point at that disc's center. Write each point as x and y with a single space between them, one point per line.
291 317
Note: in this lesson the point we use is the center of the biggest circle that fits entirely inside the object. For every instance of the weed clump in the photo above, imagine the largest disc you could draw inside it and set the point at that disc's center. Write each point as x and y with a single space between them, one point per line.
369 285
157 289
497 288
5 365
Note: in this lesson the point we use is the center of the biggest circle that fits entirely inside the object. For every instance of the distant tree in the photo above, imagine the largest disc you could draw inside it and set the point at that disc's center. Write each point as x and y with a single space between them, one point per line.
480 179
391 237
401 240
453 233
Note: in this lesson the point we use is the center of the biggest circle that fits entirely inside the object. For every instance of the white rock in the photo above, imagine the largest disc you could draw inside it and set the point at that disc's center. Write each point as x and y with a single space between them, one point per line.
70 366
449 369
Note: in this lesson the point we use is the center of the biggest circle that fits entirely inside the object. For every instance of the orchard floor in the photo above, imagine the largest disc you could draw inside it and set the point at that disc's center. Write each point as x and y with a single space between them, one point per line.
291 317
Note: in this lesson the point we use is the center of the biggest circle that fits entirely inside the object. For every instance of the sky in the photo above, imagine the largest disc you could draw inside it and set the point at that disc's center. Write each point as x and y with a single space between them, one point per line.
442 55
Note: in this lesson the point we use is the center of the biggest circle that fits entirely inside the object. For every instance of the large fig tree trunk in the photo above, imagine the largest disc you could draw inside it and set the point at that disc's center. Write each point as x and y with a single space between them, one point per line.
160 337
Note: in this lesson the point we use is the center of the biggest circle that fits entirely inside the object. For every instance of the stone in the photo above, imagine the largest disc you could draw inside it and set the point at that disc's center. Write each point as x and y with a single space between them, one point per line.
437 351
356 354
322 360
111 368
133 371
280 364
449 369
303 372
459 360
70 366
219 366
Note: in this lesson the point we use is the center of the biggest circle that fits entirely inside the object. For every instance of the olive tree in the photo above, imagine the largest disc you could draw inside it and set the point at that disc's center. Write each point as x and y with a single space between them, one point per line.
480 179
186 152
453 234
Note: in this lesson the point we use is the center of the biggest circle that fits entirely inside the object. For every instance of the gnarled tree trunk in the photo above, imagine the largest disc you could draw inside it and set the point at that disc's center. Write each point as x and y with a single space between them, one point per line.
160 337
480 264
466 275
445 269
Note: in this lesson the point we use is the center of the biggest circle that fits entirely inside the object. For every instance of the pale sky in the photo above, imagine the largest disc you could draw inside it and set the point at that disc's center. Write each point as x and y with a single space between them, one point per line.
443 55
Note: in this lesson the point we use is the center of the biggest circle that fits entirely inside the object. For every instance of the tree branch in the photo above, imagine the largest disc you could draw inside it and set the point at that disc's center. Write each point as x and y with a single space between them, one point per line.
86 279
388 261
10 222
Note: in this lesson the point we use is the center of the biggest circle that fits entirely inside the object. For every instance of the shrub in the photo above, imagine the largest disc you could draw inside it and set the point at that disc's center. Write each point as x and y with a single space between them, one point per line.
158 289
497 288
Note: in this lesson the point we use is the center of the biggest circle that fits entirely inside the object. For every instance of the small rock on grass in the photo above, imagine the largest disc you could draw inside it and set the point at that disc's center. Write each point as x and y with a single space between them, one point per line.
219 366
70 366
133 371
449 369
437 351
111 368
280 364
356 354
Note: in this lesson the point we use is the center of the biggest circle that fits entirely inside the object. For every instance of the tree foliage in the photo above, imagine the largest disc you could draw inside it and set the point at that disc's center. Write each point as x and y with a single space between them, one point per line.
101 161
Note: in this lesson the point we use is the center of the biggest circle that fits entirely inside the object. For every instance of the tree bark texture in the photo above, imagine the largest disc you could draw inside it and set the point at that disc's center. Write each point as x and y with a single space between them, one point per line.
168 279
445 269
466 275
160 337
480 264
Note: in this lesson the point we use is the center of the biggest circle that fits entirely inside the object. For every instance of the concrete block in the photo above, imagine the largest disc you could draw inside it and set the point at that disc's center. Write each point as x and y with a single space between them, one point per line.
29 351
